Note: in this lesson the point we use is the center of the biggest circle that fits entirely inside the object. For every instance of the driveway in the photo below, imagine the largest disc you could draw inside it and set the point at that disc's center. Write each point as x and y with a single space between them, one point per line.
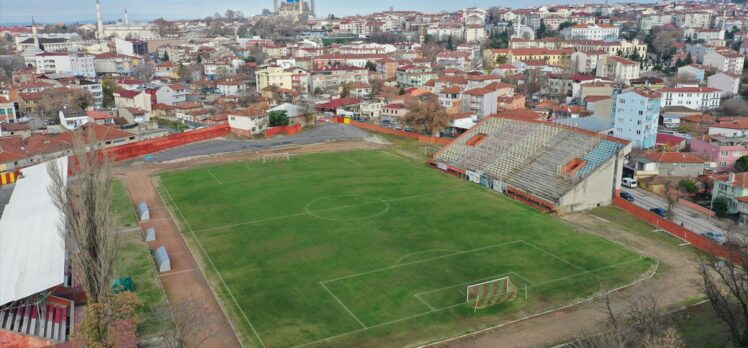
687 217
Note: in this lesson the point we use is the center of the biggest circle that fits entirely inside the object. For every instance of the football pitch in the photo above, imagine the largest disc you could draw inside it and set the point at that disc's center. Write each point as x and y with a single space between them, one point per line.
366 248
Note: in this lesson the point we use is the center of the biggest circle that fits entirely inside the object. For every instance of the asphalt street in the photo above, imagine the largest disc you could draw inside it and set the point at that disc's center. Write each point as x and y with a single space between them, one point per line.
689 218
322 132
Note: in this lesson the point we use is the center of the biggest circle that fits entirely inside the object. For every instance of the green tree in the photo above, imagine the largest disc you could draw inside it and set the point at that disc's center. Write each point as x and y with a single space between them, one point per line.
108 88
688 60
165 58
688 187
542 31
278 118
450 45
371 66
402 90
721 206
741 164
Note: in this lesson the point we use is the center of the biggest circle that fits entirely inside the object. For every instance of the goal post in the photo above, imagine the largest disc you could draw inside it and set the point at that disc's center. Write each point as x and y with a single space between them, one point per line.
276 157
491 292
430 150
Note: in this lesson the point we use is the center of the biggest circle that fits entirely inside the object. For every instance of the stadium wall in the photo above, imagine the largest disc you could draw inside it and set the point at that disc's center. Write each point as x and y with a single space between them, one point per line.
289 130
694 238
401 133
141 148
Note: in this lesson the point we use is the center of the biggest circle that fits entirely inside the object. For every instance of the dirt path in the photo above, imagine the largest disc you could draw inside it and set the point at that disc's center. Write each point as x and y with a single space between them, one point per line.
186 281
675 283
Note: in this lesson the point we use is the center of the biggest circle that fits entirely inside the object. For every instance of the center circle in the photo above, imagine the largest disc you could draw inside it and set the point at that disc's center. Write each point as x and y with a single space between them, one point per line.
347 207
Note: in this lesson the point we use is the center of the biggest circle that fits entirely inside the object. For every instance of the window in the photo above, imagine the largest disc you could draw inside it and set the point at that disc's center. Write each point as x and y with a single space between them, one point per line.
724 153
737 153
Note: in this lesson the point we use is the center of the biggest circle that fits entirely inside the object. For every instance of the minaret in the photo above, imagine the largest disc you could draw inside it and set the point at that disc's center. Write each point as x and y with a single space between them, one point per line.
34 33
99 21
126 20
275 6
724 15
314 10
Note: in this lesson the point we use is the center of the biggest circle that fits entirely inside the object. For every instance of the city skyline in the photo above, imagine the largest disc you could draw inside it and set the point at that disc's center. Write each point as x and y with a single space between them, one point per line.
20 13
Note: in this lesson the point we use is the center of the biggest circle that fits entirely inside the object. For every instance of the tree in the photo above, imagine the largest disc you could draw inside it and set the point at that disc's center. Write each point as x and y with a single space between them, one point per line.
114 309
542 31
671 198
721 206
450 45
89 227
145 71
688 60
401 91
426 116
165 58
345 90
108 88
734 107
688 187
725 285
278 118
371 66
82 98
741 164
52 101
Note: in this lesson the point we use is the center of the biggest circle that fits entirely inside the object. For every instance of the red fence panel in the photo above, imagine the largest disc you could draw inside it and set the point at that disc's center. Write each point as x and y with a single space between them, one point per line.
141 148
402 133
290 130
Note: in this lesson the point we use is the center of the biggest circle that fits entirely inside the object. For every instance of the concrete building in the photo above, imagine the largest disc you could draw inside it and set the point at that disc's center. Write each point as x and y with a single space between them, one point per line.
590 32
723 151
78 64
671 164
248 122
697 98
725 61
691 72
727 83
480 101
171 94
618 69
733 186
635 117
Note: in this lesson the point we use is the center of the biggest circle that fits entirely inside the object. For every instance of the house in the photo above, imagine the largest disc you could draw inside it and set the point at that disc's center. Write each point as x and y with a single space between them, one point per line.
231 87
635 117
338 106
7 111
480 101
735 128
135 115
291 78
619 69
360 90
73 119
296 114
113 63
248 122
720 149
453 59
76 64
671 164
691 72
670 142
166 70
393 113
15 129
725 61
171 94
585 62
733 186
100 117
332 77
697 98
132 99
727 83
601 106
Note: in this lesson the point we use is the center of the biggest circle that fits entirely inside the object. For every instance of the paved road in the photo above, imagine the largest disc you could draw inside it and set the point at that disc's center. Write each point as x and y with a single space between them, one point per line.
322 132
690 218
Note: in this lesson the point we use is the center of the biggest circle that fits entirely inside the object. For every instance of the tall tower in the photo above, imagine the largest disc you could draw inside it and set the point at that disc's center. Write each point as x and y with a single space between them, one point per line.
99 21
126 20
313 10
34 33
275 6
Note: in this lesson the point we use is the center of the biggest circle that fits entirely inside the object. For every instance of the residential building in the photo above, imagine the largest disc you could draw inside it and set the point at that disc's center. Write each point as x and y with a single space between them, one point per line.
480 101
231 87
736 128
619 69
635 117
116 64
722 150
590 32
332 77
728 83
454 59
77 64
248 122
725 61
678 164
585 62
7 111
293 78
691 72
697 98
132 99
171 94
732 186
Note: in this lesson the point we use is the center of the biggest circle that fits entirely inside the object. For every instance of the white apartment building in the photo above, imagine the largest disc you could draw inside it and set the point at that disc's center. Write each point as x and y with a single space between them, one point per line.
725 61
728 83
585 62
697 98
77 64
692 19
619 69
590 32
704 34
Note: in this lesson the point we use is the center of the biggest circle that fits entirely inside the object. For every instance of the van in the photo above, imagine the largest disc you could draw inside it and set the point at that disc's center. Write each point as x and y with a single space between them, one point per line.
630 182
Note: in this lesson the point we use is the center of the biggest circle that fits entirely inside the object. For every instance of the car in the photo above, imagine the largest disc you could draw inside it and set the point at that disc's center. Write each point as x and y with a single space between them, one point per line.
659 211
630 182
627 196
716 237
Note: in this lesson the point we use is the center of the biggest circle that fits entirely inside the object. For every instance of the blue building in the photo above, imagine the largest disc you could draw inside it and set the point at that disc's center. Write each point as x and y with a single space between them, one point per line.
635 116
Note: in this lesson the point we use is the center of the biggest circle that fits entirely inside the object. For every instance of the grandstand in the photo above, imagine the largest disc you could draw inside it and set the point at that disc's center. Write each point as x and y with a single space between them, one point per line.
550 166
37 290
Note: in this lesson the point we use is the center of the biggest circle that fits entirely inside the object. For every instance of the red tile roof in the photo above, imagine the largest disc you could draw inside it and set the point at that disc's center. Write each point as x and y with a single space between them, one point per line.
676 157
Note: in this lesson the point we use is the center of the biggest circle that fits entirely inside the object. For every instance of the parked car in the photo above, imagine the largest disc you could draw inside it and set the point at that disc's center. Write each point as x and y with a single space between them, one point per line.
627 196
629 182
659 211
716 237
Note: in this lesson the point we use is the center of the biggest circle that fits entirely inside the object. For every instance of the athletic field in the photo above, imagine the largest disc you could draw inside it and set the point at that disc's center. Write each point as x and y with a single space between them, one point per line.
367 248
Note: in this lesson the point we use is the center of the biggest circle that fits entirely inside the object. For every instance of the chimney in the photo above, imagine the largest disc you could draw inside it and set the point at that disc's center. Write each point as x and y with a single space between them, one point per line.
731 179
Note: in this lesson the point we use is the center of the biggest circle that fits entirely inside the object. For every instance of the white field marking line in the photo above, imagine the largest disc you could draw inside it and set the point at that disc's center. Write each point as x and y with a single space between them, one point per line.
597 217
554 256
314 212
424 302
323 210
275 178
342 304
177 272
215 177
500 325
592 297
685 242
350 160
419 261
422 252
215 269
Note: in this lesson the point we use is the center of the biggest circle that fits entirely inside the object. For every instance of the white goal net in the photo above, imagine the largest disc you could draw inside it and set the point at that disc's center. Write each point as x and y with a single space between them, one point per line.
276 157
492 292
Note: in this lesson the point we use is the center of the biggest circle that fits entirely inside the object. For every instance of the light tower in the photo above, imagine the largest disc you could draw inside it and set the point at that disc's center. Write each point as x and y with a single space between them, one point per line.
99 21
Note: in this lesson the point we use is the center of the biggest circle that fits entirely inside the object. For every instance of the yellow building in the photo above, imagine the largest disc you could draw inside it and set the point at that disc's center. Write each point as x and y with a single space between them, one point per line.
556 57
293 78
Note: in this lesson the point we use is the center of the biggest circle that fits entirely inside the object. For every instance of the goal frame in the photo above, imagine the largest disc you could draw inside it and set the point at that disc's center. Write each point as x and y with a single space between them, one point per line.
283 155
509 285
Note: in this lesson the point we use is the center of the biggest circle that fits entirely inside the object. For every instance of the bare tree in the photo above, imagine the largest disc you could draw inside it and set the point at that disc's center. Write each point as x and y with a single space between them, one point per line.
194 319
671 197
734 107
725 284
144 71
426 116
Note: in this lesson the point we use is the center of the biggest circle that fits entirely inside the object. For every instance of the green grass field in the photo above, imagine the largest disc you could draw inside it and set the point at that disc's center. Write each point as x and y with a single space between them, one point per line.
367 248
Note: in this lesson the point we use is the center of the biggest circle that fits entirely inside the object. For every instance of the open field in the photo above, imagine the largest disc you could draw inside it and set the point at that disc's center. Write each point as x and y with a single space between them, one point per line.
366 248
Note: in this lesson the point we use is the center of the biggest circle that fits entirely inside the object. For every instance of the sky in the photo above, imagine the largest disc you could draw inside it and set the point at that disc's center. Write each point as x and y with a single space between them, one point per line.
54 11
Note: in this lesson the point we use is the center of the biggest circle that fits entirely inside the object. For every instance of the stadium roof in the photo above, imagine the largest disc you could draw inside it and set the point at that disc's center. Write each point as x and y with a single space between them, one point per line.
32 251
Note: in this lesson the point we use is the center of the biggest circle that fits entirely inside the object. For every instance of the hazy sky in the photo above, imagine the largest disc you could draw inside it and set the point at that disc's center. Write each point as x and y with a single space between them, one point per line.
49 11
